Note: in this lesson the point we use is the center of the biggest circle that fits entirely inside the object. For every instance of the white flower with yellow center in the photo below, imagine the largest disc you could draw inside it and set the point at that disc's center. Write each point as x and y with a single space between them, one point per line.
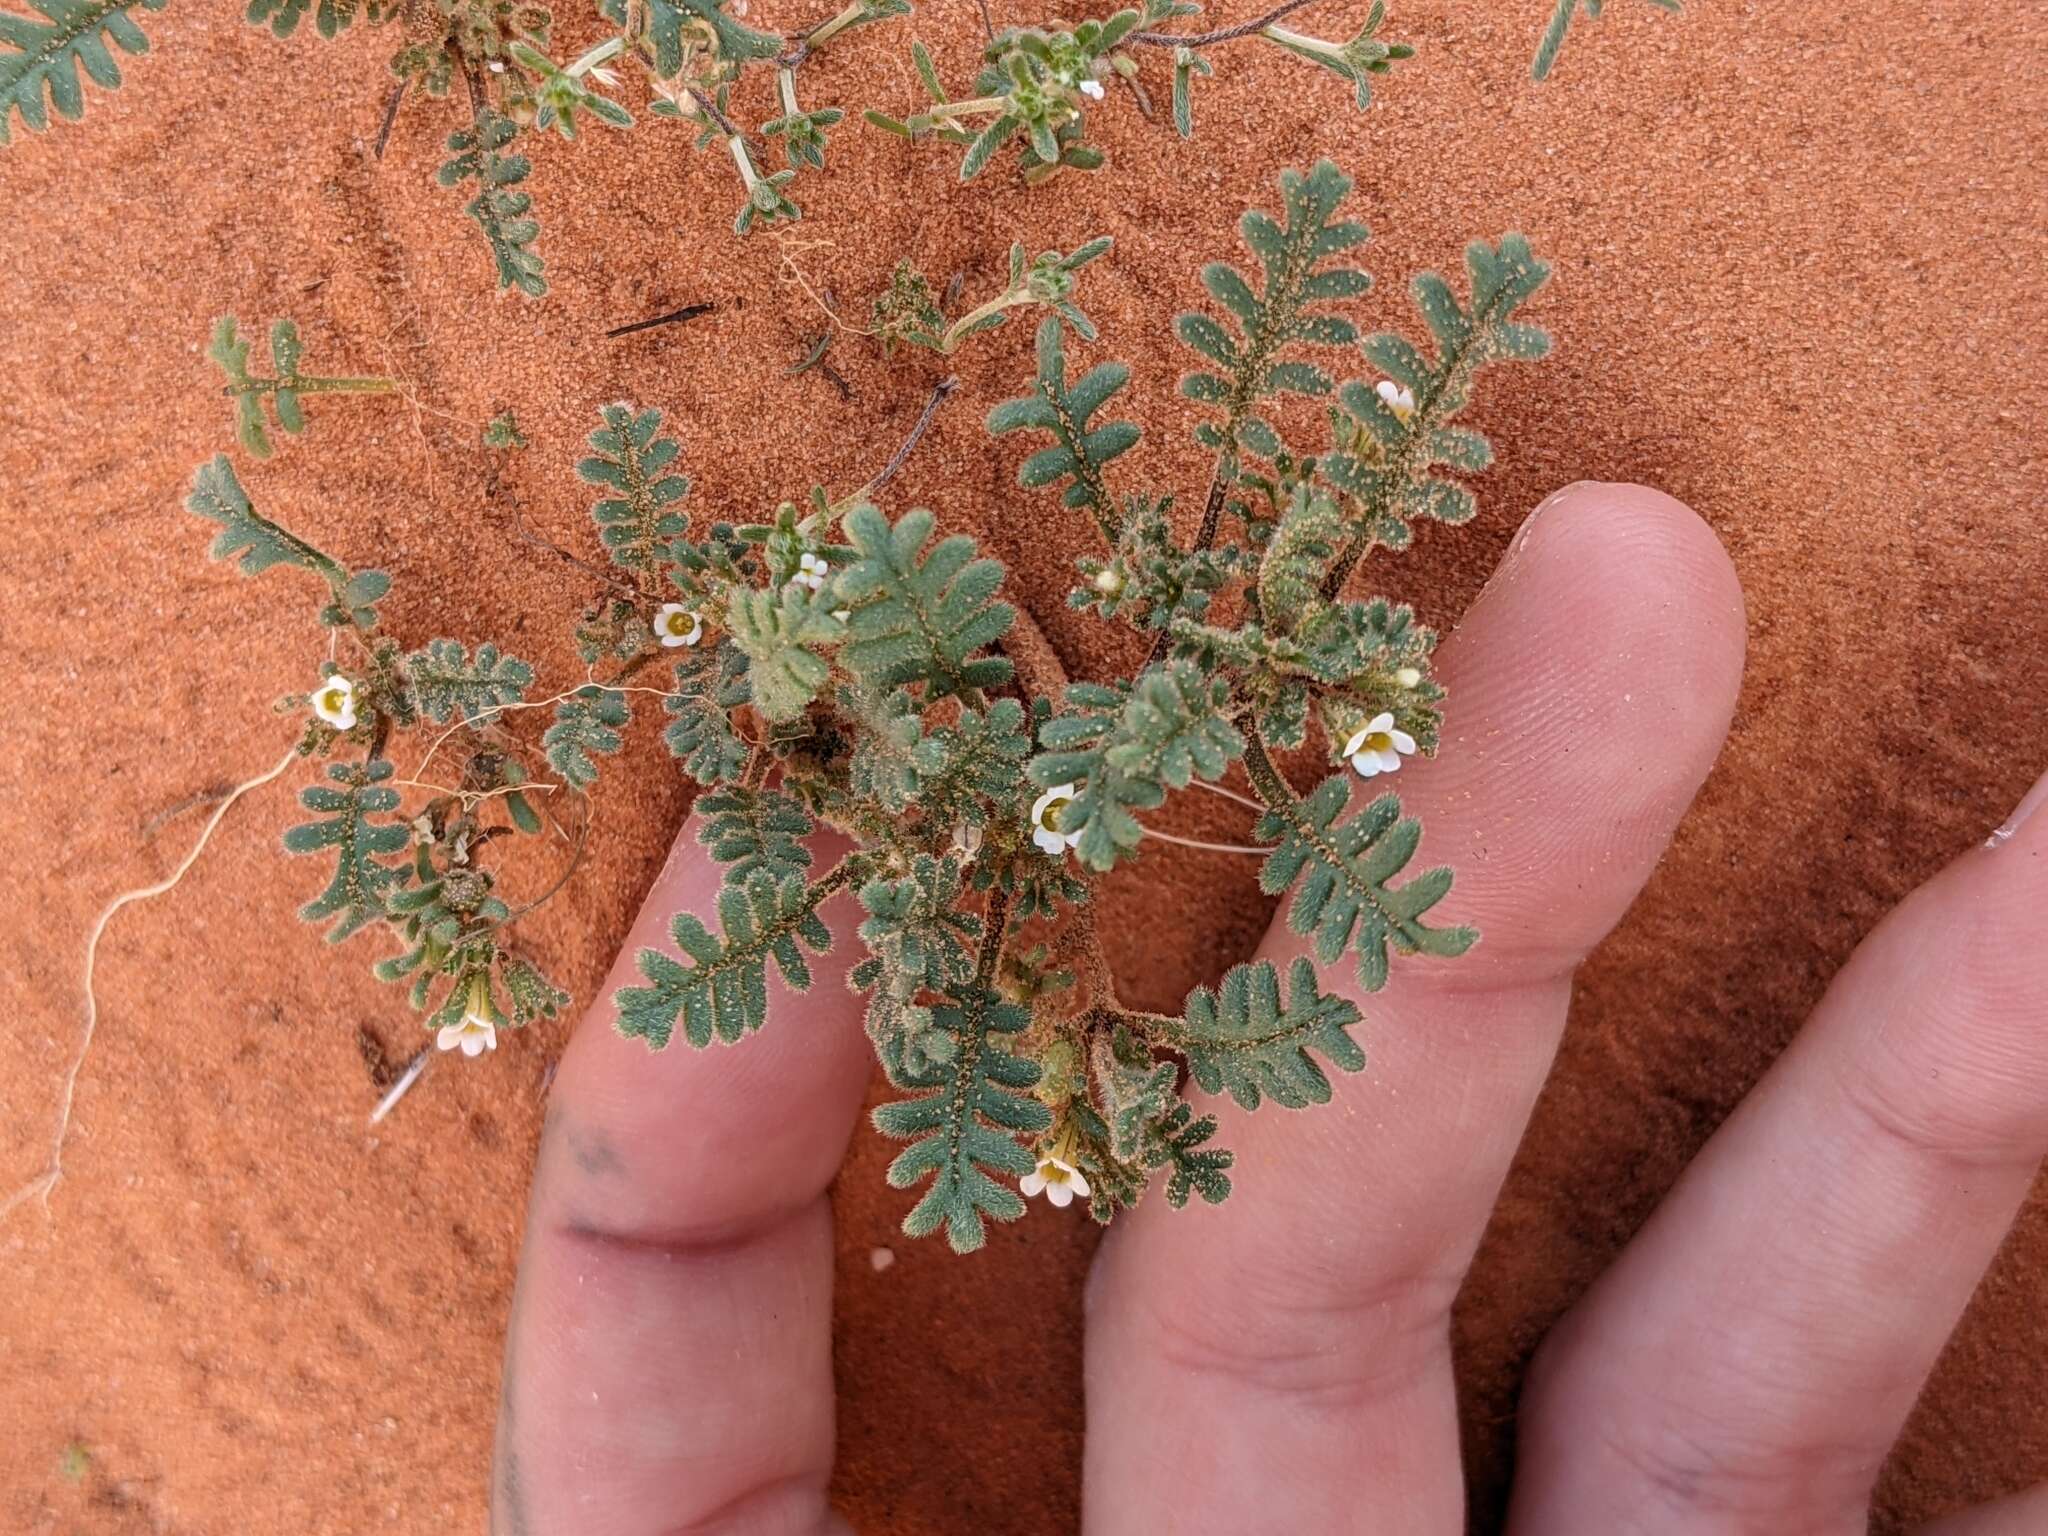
1376 747
1058 1181
477 1030
676 625
811 571
1399 400
1045 820
335 702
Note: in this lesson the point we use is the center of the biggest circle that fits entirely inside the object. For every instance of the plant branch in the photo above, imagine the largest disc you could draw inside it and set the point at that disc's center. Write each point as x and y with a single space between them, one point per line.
1220 34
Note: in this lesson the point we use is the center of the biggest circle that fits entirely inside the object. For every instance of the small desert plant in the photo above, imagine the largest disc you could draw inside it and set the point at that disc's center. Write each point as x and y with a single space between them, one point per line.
695 59
829 665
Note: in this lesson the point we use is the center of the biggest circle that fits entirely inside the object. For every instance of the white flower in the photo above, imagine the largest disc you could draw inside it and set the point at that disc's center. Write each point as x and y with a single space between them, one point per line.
811 572
1045 820
1397 399
1377 747
477 1030
1109 581
1058 1181
604 76
1409 677
1093 90
335 702
676 625
842 614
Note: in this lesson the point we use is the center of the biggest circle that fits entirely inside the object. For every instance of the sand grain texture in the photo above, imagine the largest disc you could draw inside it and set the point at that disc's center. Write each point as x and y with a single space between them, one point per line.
1799 253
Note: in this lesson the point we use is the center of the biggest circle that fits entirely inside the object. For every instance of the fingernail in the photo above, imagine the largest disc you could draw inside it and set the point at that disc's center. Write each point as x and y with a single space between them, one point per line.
2036 798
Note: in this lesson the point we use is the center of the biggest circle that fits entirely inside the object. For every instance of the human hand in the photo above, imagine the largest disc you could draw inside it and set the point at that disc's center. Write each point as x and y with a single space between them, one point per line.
1282 1363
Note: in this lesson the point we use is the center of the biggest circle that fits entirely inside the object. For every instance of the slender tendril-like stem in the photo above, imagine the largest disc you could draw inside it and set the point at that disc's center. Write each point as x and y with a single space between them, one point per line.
1220 34
1192 842
1228 794
940 392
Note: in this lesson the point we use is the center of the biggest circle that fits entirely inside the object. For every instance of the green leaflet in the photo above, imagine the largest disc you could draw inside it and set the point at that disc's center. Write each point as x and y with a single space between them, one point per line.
587 726
231 354
1290 308
247 537
35 55
1080 450
332 18
1124 751
754 832
1357 61
1341 873
917 941
711 682
355 894
723 992
962 1128
635 525
1390 468
1300 553
666 20
778 630
447 681
1243 1040
500 213
1560 23
916 617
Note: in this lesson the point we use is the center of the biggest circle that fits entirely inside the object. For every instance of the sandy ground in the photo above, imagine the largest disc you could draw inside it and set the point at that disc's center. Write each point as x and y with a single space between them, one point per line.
1798 257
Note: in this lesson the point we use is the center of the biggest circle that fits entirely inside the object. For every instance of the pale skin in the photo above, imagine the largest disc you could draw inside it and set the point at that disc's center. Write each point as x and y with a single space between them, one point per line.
1282 1363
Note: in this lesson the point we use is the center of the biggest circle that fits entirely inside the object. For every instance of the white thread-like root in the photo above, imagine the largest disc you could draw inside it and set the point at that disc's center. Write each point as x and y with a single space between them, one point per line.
41 1186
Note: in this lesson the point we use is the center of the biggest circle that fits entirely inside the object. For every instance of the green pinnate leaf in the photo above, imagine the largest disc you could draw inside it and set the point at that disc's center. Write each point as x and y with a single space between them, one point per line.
345 824
754 832
500 212
1081 449
1342 873
48 56
782 633
709 685
247 537
721 992
588 725
1242 1039
964 1122
1124 750
917 616
638 521
448 682
1288 308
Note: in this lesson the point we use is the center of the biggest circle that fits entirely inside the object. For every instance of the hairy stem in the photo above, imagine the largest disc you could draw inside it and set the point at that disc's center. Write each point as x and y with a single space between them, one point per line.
1220 34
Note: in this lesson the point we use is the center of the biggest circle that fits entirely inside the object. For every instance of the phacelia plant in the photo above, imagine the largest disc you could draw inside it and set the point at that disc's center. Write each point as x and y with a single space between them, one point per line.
697 63
832 666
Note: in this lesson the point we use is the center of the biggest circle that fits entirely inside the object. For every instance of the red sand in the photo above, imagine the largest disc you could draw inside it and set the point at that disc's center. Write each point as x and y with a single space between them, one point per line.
1799 253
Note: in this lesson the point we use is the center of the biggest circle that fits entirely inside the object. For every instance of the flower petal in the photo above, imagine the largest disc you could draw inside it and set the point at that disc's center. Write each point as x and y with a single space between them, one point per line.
1383 721
1403 742
1367 764
1357 739
449 1037
1033 1183
1080 1183
1061 1195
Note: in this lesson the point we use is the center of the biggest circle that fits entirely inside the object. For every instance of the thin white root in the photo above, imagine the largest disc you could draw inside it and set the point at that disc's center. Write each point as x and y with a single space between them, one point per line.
41 1186
402 1087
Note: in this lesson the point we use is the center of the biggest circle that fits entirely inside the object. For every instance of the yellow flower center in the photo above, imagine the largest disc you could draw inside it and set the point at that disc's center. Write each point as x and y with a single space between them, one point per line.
1049 818
1378 741
677 623
1055 1174
333 700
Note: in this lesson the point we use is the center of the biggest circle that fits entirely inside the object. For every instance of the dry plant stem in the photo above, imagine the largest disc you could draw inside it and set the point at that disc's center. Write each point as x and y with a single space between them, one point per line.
44 1183
390 117
1192 842
940 392
1220 34
673 317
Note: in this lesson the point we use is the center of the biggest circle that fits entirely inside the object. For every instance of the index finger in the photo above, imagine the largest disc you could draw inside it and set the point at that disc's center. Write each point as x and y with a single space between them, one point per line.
668 1365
